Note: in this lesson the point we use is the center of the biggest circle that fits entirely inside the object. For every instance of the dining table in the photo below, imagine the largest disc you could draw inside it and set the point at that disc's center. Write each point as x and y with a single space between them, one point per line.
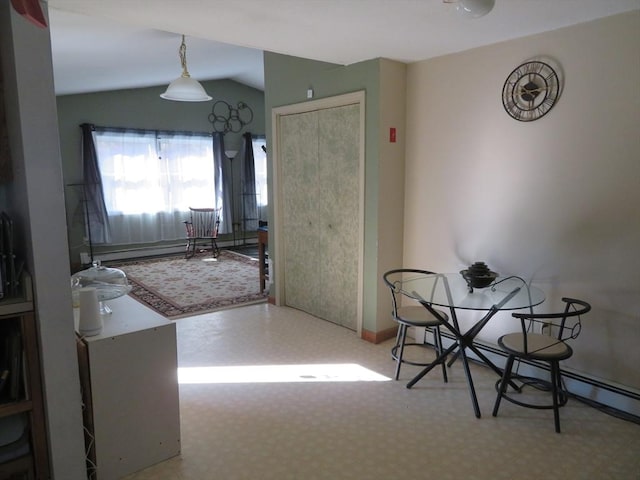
454 292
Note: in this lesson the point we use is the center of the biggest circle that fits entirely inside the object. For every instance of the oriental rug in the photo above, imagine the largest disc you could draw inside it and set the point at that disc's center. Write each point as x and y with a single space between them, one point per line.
176 287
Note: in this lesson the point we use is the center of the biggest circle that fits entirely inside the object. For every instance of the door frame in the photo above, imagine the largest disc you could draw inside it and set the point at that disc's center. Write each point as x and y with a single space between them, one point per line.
278 246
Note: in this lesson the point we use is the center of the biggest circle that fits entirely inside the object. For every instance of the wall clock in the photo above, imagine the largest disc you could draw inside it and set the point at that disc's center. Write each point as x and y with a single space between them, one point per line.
530 91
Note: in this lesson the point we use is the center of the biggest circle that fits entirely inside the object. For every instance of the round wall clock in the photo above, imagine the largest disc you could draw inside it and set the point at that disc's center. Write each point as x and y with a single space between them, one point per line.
530 91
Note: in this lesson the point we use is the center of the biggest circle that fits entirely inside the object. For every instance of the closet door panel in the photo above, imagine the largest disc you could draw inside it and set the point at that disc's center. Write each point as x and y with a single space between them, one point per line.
299 157
338 174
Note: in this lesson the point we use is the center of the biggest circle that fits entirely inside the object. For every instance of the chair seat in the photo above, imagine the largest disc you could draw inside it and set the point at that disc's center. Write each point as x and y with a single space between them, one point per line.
418 316
539 347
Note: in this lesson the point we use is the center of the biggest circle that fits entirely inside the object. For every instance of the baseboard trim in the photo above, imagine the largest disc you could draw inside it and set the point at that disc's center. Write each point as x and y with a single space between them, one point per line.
378 337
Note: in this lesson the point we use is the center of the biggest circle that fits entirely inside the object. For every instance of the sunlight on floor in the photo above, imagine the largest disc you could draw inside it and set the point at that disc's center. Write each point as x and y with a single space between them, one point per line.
347 372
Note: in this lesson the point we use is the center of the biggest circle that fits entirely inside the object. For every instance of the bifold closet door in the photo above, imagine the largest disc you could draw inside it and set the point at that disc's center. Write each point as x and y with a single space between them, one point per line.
320 153
300 219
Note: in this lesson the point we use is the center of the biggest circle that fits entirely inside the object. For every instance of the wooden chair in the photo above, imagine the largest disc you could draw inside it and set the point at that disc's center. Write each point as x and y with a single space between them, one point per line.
202 226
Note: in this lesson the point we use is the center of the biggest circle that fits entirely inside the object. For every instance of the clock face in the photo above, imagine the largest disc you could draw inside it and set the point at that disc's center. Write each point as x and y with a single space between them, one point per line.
530 91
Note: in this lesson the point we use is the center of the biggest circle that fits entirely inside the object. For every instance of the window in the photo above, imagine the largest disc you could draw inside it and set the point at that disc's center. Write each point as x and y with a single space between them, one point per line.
150 179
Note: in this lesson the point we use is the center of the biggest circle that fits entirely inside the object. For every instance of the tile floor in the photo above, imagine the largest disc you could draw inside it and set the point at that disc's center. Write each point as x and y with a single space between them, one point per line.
365 429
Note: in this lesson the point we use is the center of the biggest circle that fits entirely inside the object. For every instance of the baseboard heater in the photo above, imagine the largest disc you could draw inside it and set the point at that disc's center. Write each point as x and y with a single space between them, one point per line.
155 251
591 390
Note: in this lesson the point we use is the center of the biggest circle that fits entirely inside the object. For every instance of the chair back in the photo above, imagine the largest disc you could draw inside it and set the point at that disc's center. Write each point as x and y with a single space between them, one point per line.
204 223
393 279
562 326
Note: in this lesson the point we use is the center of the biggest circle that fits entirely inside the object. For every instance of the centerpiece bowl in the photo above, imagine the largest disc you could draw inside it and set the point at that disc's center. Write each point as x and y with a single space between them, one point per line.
478 275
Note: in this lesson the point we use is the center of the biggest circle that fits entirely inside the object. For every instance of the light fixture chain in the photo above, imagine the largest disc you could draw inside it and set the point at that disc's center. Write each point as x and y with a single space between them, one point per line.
183 58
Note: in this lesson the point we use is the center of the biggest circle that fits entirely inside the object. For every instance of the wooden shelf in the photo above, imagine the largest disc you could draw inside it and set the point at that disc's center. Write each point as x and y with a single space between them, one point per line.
22 466
13 408
11 306
20 311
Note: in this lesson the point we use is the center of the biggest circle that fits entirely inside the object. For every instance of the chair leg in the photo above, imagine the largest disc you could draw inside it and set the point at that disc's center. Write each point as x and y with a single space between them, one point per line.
439 349
504 383
555 391
402 336
454 358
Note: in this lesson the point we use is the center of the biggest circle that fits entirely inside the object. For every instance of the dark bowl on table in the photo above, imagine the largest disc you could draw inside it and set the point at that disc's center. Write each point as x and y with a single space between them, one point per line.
479 280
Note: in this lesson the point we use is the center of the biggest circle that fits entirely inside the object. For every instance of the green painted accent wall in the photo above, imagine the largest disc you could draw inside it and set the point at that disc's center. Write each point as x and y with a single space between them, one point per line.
287 80
139 108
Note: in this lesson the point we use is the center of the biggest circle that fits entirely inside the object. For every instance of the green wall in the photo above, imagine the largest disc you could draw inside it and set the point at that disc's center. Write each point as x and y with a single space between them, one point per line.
139 108
287 80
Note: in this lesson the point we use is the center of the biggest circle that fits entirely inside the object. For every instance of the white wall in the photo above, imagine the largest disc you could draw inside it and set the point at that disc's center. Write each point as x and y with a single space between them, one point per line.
556 200
38 211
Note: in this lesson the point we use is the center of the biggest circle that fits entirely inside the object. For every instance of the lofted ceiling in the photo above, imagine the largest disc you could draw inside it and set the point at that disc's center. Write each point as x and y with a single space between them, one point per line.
113 44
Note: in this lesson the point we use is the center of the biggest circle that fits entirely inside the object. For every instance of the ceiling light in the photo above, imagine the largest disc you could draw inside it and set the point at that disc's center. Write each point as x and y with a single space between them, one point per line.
185 88
473 8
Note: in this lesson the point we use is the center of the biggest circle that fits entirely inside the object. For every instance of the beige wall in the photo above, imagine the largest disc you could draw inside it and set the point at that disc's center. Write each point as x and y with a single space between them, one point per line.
556 200
390 184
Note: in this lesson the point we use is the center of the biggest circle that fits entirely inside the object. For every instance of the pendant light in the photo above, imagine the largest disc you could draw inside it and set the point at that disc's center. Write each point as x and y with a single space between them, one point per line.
473 8
185 88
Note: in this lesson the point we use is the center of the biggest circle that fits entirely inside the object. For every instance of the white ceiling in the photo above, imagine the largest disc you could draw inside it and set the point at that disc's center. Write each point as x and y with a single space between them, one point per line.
113 44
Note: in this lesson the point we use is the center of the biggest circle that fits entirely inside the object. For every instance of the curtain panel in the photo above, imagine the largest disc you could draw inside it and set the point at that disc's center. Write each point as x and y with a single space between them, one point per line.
223 183
97 227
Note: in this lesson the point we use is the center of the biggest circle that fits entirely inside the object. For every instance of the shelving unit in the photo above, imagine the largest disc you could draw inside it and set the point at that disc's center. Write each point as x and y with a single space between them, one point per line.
17 314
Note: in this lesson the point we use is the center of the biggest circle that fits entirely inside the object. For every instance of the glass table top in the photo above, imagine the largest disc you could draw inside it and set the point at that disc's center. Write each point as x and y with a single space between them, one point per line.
452 290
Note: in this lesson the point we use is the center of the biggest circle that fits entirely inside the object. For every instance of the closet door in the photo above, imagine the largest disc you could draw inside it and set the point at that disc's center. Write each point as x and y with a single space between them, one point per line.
300 224
320 194
338 177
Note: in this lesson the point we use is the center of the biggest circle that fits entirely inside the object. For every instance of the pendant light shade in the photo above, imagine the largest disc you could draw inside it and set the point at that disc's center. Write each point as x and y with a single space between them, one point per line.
475 8
185 88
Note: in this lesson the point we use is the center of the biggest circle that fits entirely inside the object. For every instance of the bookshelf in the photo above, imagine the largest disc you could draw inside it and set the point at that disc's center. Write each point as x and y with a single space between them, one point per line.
21 398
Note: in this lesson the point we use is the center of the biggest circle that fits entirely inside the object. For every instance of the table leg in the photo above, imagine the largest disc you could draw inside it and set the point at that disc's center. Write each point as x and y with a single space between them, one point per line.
472 390
461 343
440 359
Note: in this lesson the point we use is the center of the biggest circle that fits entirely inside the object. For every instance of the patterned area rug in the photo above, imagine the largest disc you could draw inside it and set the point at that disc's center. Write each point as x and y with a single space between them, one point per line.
176 287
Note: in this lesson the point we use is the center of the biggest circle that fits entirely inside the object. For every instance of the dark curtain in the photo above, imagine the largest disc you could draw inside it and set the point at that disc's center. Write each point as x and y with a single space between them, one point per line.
96 218
248 185
223 179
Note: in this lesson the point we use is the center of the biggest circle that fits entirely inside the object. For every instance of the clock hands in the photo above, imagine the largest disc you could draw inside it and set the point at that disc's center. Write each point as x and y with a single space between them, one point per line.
526 90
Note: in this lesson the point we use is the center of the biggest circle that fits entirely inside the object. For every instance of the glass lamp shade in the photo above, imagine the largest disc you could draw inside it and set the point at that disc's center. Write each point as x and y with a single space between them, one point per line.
475 8
185 89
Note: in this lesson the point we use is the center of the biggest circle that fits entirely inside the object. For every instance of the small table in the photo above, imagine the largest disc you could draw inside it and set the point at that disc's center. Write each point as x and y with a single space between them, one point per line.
263 241
451 290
